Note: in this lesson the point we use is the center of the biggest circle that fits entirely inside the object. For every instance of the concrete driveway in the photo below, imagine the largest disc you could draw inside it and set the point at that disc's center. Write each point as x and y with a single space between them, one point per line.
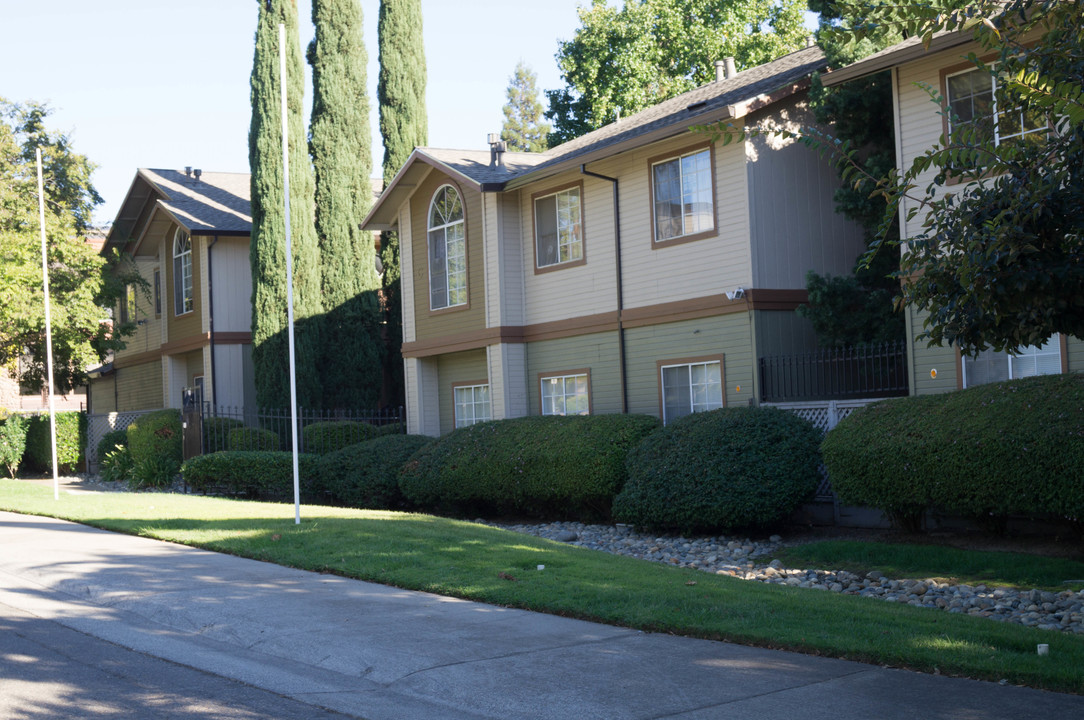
376 652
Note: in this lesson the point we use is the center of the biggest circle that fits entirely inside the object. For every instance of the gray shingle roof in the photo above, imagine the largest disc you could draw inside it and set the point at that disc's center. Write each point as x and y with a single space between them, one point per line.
217 202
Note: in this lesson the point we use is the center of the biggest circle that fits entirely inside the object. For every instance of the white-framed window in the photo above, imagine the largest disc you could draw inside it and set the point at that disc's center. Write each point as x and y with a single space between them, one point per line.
682 195
992 366
447 250
471 404
565 394
691 387
182 272
558 228
972 100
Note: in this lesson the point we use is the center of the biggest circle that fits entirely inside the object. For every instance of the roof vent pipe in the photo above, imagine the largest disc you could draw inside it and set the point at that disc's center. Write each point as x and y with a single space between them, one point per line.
731 69
720 71
188 171
197 172
810 41
496 150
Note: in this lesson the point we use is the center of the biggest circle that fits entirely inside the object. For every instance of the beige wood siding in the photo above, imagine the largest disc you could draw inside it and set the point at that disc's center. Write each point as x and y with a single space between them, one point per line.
139 387
100 396
596 352
148 330
232 284
934 369
461 367
507 363
1076 354
505 253
429 324
793 224
727 335
583 289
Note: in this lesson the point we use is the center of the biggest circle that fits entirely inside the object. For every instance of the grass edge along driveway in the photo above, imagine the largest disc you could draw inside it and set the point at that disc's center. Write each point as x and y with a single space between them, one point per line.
477 562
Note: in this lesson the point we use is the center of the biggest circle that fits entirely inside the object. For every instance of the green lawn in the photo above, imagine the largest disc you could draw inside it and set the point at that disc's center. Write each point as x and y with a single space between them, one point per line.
936 561
477 562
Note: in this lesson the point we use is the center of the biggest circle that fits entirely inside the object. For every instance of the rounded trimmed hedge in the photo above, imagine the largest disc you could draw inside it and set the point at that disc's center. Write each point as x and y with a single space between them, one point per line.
246 439
723 469
549 467
332 435
249 473
1014 447
366 475
155 441
110 441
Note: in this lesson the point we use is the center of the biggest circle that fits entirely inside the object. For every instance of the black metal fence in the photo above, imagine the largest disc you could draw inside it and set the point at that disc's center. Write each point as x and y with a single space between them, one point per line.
865 371
238 428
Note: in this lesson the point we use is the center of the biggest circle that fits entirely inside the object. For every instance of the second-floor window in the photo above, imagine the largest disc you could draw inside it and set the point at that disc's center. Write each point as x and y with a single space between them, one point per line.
447 250
973 100
682 195
558 228
182 272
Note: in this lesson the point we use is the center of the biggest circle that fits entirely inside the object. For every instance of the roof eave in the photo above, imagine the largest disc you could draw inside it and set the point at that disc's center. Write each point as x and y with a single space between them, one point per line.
395 194
905 52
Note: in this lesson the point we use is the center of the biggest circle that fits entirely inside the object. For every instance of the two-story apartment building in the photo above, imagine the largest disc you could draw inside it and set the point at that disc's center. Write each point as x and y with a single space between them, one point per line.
188 234
640 268
944 66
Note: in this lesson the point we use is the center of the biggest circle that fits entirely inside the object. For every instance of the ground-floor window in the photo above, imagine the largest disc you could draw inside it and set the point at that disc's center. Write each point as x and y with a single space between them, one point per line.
690 387
992 366
471 404
565 394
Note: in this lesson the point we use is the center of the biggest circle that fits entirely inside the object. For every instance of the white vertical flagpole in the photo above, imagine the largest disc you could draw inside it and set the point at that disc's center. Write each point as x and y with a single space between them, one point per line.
48 324
289 272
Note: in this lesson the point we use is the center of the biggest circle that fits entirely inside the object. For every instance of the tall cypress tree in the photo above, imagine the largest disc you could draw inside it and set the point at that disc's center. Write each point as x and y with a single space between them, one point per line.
352 354
403 126
268 247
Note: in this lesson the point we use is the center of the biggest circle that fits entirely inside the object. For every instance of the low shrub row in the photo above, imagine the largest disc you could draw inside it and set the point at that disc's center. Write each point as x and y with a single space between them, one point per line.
1014 447
259 474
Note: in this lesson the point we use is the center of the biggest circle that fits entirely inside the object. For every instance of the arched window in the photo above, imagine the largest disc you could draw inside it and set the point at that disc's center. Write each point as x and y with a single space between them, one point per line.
182 272
447 250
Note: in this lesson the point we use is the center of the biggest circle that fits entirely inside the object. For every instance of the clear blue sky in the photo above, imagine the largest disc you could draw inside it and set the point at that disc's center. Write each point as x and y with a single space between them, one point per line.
151 83
157 83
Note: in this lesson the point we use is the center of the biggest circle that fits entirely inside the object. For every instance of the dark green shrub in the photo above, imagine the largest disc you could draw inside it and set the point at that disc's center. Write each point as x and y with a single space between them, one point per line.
326 437
12 442
253 440
366 475
110 441
253 474
116 465
730 468
1014 447
559 467
154 441
216 433
71 436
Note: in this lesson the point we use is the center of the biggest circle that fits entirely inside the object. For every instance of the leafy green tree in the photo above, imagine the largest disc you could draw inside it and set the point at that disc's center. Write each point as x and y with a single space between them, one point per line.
524 129
81 283
857 308
352 354
625 60
268 248
403 126
998 260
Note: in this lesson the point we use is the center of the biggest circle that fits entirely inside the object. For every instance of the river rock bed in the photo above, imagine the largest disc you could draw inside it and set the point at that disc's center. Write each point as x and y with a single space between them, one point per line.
753 560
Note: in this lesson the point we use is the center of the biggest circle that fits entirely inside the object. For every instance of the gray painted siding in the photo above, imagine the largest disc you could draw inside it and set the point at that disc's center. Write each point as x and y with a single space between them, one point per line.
232 283
782 332
597 352
793 224
455 368
929 359
728 335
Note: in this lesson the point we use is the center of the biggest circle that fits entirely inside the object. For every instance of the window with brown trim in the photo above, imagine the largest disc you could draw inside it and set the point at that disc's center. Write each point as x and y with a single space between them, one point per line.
471 403
683 195
567 393
690 385
447 250
558 227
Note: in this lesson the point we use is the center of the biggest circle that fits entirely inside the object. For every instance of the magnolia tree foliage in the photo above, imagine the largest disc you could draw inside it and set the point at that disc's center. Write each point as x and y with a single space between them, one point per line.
403 126
998 259
268 248
624 60
81 284
352 354
524 129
